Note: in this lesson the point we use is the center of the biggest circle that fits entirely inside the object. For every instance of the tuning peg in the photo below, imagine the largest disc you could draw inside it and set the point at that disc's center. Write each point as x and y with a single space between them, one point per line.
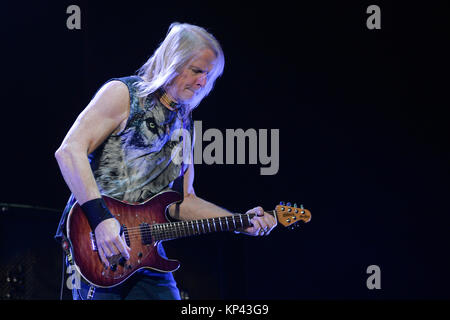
301 207
295 205
281 203
288 204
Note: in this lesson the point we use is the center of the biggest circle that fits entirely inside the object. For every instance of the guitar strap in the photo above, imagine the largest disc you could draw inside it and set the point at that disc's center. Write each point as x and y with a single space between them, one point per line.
66 248
91 292
178 184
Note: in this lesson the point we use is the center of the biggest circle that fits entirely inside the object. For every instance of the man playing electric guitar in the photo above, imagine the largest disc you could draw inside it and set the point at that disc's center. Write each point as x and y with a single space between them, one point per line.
121 146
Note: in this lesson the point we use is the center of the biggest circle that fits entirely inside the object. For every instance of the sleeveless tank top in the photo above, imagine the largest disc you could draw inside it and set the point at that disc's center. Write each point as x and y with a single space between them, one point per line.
145 157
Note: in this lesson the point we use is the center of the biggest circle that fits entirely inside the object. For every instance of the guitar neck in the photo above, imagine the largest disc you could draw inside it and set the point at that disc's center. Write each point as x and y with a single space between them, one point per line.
182 229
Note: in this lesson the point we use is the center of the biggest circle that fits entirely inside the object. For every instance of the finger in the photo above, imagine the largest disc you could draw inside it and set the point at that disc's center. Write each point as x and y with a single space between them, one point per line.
121 246
256 226
269 229
125 242
259 211
267 223
270 221
103 257
261 232
110 248
252 228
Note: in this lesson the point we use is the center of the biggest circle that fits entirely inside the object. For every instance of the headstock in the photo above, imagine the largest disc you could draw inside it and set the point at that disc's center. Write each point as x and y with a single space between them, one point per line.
289 215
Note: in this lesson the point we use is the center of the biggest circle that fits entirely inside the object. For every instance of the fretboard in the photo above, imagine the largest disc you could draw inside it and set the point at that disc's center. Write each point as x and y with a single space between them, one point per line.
181 229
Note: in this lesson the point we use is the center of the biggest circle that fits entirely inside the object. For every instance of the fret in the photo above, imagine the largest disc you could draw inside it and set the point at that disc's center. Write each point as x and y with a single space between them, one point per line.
158 231
166 231
186 228
178 230
174 231
181 229
163 230
169 231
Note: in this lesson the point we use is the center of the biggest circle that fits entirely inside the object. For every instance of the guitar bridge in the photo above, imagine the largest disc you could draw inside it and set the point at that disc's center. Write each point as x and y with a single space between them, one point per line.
93 243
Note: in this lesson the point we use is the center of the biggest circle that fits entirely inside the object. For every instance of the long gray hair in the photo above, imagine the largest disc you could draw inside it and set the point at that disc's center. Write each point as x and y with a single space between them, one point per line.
182 43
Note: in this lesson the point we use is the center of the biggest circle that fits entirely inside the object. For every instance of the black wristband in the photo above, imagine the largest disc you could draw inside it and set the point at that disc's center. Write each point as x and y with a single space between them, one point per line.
96 211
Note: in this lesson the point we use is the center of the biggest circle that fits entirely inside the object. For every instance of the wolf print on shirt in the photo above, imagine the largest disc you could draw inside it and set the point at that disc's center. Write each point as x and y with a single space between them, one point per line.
137 163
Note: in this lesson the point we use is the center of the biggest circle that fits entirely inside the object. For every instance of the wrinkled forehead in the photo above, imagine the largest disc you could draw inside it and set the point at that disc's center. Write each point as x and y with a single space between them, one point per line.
205 60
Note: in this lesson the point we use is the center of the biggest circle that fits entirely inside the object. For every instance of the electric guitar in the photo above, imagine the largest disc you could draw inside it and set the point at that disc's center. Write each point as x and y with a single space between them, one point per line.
144 227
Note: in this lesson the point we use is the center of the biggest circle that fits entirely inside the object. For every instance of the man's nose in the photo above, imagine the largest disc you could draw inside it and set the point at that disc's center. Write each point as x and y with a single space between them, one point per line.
201 81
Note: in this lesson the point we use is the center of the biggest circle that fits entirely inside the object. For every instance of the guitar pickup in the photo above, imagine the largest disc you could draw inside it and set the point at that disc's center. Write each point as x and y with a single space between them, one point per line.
146 236
124 232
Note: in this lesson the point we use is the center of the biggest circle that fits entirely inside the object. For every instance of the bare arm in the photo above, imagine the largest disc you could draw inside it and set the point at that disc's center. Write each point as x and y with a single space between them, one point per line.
105 114
194 207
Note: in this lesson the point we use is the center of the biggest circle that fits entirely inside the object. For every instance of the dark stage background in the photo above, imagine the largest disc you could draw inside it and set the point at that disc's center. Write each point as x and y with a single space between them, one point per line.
363 141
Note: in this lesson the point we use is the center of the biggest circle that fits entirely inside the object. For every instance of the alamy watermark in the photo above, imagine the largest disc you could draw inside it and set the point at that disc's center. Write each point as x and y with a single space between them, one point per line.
374 20
374 280
74 20
236 146
73 281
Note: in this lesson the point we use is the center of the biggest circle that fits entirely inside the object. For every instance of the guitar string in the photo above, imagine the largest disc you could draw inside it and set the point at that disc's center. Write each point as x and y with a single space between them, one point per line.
186 228
172 232
166 231
194 225
190 223
191 227
183 224
176 231
180 226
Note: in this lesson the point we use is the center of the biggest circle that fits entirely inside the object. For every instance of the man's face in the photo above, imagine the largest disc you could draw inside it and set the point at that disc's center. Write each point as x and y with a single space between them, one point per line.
193 77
